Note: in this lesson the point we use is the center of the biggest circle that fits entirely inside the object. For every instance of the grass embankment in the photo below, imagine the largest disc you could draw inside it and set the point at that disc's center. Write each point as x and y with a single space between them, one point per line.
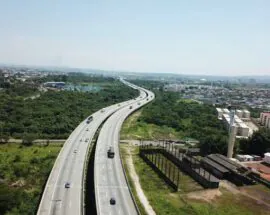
136 130
191 198
23 173
124 155
170 117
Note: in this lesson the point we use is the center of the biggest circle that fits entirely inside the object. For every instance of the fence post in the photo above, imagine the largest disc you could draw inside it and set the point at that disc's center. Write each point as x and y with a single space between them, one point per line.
169 169
178 177
155 159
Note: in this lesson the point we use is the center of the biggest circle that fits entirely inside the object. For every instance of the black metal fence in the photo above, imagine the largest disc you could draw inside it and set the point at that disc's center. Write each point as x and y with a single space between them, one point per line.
163 167
188 164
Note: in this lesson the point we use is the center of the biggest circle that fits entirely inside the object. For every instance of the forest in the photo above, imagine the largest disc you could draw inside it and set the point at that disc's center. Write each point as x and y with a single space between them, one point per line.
258 143
24 169
54 114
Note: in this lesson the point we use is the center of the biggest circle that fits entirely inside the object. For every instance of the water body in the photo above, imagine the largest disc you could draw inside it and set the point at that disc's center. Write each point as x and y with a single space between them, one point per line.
82 88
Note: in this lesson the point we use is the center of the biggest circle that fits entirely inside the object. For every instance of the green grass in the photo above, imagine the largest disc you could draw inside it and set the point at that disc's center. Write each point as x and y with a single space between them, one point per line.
165 201
134 129
24 171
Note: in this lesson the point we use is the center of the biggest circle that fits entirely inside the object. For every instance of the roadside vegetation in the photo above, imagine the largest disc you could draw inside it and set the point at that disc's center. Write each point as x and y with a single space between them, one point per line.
171 117
25 167
257 144
23 174
55 114
192 199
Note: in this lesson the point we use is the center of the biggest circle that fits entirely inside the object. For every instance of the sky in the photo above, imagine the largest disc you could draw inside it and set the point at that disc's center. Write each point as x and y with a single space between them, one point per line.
205 37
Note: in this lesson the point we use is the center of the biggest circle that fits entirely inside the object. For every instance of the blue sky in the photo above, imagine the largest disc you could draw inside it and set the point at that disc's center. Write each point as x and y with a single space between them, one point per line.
188 37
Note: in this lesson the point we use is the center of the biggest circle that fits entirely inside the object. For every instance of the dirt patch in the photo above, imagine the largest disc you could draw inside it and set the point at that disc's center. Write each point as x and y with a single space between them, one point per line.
133 118
205 195
143 199
257 194
19 183
229 186
251 192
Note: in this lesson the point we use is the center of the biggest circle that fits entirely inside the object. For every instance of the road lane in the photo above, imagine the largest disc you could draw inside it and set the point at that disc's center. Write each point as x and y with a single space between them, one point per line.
69 167
109 177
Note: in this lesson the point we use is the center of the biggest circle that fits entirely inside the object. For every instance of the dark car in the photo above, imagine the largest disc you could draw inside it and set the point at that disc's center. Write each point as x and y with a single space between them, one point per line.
67 185
112 201
110 153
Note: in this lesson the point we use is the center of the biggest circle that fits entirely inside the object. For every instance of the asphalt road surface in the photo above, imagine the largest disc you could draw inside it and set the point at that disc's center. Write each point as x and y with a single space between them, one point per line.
69 166
109 178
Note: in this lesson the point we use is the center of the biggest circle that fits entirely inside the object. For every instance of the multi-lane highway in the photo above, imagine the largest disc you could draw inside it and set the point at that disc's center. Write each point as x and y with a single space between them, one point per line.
109 177
69 166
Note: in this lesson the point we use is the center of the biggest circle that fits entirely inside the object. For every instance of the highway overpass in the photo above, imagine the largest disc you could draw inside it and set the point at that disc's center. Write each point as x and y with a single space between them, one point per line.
109 176
70 164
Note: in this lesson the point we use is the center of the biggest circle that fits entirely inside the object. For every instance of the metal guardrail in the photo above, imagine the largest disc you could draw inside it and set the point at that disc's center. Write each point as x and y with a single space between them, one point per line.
121 159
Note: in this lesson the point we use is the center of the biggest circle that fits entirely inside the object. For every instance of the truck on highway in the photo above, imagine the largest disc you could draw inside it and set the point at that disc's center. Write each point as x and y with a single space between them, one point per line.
110 152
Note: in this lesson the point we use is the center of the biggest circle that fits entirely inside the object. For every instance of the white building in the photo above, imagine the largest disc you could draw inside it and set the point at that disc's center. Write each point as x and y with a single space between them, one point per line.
244 157
246 114
242 130
267 157
265 119
239 113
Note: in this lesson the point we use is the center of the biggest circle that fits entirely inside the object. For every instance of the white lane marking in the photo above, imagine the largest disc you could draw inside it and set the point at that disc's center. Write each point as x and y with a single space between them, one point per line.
112 186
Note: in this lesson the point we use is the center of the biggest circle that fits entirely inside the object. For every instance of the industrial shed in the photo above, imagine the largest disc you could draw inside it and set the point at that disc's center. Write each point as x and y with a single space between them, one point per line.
216 169
222 162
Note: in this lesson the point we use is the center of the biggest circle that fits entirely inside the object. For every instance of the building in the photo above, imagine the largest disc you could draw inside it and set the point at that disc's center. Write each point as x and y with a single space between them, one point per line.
240 128
54 84
246 114
220 113
244 158
267 157
239 113
265 119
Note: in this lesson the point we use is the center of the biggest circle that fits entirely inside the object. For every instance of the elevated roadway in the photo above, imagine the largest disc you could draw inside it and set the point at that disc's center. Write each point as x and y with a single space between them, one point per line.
109 177
70 164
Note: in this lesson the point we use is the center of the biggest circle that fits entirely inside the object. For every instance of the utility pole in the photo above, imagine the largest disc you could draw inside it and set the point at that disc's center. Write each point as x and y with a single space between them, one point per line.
232 133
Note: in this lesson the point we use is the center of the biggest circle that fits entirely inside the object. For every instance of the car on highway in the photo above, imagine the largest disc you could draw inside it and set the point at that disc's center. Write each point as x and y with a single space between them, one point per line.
87 129
112 201
87 139
67 185
90 118
110 152
139 103
130 107
75 151
102 111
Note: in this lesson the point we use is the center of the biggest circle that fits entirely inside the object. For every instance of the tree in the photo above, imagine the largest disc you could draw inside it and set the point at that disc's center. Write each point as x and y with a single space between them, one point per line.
28 139
258 143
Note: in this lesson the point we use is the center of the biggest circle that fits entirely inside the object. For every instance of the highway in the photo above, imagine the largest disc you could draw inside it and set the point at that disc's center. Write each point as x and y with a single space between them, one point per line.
109 177
70 163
